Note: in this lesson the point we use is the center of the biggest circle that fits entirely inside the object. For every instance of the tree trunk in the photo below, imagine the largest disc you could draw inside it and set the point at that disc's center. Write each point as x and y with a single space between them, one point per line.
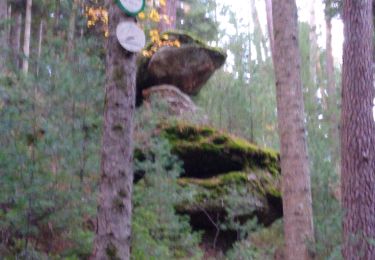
358 133
298 220
40 42
56 22
113 233
259 37
168 16
9 17
15 38
332 99
3 35
270 24
26 40
313 45
71 30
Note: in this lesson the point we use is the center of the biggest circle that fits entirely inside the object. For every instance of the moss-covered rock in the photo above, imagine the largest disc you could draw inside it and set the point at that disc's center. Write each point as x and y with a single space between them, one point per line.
207 152
242 195
187 67
226 179
225 175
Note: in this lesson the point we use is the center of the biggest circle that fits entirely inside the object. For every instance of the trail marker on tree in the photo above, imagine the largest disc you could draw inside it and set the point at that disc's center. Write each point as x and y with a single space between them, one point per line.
130 36
131 7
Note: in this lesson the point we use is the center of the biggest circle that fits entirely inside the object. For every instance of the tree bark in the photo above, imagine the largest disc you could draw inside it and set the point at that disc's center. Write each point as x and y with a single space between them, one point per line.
15 37
113 233
3 35
56 23
296 190
9 17
40 43
270 24
331 100
168 14
26 41
260 41
71 30
313 45
358 133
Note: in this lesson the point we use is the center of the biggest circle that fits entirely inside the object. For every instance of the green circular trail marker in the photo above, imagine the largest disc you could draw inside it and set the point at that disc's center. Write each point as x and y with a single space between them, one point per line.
131 7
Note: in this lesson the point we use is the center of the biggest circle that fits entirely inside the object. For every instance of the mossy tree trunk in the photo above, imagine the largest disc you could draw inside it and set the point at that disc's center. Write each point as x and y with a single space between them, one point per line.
113 233
358 133
296 190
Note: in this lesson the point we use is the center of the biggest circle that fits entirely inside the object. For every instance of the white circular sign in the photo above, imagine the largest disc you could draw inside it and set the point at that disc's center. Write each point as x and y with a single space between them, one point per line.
131 7
130 36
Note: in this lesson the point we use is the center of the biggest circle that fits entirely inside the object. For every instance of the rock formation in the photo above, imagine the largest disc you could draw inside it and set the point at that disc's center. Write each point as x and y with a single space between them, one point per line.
187 67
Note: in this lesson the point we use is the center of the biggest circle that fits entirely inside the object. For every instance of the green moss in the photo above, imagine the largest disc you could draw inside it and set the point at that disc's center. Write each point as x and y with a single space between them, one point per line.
219 193
217 152
258 182
118 204
189 38
111 252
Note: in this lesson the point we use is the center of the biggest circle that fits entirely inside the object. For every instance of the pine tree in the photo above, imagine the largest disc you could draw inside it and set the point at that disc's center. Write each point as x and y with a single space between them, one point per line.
15 36
114 210
297 208
332 92
26 37
3 16
358 132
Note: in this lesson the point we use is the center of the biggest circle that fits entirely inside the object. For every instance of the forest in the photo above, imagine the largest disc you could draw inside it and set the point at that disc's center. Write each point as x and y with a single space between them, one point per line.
187 129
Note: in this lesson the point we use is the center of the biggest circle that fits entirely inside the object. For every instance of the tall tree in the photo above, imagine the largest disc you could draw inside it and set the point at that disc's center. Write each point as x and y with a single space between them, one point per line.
40 43
358 132
3 17
15 35
259 40
298 221
113 233
270 23
26 37
314 56
332 92
71 29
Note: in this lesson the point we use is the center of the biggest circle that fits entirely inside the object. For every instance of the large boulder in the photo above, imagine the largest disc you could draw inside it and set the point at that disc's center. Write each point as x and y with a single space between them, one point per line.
225 174
226 180
187 67
178 103
208 152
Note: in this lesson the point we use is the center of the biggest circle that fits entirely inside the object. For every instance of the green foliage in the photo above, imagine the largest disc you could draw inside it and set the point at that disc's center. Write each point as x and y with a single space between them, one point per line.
324 179
261 244
333 7
49 127
158 232
243 101
199 19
